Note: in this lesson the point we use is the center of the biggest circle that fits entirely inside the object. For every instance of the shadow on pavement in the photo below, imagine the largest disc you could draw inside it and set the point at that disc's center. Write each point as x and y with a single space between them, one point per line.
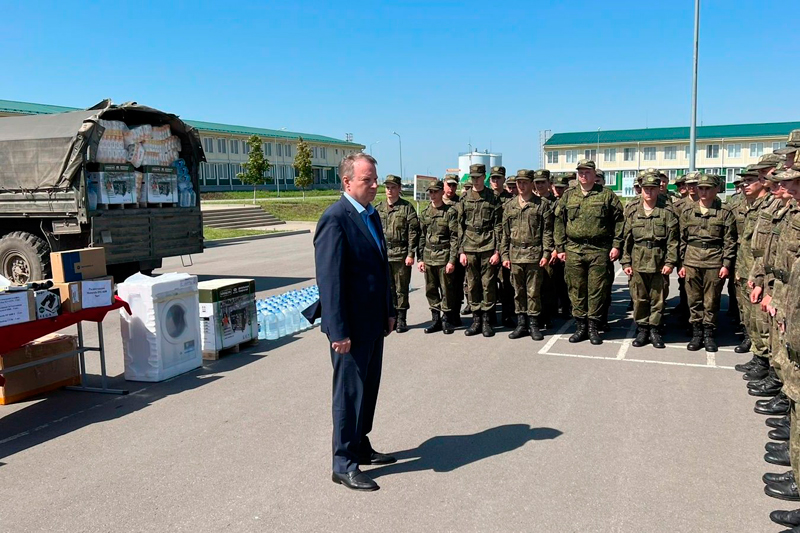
449 452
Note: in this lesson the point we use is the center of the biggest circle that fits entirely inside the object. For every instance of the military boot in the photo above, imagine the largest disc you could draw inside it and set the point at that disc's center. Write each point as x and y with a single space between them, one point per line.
455 319
521 329
708 339
779 405
447 327
756 373
581 332
655 339
781 434
488 331
642 336
436 322
786 518
401 326
594 333
697 338
745 345
756 361
778 478
475 327
536 333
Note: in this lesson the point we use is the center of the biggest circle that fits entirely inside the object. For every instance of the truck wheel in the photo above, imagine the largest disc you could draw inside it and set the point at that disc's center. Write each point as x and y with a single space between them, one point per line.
24 257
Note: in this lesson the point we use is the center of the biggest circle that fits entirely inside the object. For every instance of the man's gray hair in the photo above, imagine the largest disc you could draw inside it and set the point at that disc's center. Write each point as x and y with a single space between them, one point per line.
346 166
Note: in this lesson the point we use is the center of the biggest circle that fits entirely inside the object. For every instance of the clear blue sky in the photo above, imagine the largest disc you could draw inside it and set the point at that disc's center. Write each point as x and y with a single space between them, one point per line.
441 74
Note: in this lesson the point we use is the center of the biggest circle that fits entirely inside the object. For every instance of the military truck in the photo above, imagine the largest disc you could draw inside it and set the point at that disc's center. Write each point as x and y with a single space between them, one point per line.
47 202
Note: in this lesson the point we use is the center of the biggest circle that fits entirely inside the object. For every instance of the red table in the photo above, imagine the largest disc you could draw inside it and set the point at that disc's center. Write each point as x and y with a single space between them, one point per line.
18 335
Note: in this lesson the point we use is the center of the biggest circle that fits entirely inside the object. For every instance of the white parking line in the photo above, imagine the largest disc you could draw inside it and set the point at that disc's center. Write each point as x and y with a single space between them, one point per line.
555 337
668 363
623 349
711 359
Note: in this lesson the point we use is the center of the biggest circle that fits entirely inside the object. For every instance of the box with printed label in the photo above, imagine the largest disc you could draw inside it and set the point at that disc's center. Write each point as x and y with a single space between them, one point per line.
161 184
70 294
41 378
48 304
113 184
17 307
77 265
227 313
86 294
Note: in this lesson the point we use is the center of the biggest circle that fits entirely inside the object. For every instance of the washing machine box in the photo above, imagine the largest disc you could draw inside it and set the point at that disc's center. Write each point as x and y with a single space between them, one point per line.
227 313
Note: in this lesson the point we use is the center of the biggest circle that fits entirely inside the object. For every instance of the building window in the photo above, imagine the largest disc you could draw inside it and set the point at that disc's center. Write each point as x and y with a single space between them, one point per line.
672 174
610 155
712 151
279 149
778 146
234 146
686 152
734 150
611 179
208 145
730 174
756 149
552 157
323 153
649 153
337 151
222 146
245 147
288 150
590 154
670 153
629 154
571 156
268 149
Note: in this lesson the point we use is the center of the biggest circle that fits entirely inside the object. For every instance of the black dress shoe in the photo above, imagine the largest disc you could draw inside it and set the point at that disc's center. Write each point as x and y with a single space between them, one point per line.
356 480
745 367
377 458
786 490
777 447
779 405
782 422
778 458
779 434
786 518
744 347
778 478
756 374
765 392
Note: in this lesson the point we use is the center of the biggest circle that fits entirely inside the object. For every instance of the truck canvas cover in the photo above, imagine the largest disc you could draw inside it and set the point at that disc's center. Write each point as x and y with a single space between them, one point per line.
47 152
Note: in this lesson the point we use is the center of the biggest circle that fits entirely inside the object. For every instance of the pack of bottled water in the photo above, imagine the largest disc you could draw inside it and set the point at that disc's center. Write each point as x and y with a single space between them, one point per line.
282 315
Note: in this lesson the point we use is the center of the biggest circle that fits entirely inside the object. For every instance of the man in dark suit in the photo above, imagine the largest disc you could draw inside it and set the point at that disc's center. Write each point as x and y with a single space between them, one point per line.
357 313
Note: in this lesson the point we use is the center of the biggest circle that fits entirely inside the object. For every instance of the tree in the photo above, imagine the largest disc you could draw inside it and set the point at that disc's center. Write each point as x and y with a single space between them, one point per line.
302 162
256 167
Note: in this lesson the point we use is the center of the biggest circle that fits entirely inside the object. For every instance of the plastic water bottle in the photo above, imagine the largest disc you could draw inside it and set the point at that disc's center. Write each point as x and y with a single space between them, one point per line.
272 324
292 324
281 321
262 325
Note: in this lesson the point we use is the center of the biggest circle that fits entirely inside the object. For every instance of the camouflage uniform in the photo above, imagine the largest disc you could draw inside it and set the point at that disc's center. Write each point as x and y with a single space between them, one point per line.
459 275
505 288
401 229
527 238
549 297
651 242
557 269
480 228
678 207
708 242
790 351
587 227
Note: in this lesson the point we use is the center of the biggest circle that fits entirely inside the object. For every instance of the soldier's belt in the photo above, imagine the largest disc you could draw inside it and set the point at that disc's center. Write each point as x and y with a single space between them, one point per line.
438 247
650 244
705 245
484 227
592 241
525 244
396 244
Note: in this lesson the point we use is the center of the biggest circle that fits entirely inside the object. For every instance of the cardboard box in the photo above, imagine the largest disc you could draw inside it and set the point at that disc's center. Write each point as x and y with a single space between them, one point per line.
87 294
113 184
227 313
42 378
161 184
78 265
17 307
48 304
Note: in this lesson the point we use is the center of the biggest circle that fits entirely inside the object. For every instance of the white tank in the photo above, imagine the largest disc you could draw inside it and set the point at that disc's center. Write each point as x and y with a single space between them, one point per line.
472 158
495 160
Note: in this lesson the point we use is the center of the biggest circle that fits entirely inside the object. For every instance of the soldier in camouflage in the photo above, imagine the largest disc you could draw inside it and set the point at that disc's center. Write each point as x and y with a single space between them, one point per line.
543 189
650 253
438 255
511 186
708 250
526 247
480 229
560 184
401 229
505 289
588 234
451 198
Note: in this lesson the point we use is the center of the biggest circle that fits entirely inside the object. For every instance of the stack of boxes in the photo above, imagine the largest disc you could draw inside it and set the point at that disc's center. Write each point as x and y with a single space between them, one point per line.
81 279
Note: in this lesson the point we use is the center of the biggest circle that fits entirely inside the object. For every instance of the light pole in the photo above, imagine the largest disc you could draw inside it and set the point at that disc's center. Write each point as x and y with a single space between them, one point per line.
400 141
693 128
371 145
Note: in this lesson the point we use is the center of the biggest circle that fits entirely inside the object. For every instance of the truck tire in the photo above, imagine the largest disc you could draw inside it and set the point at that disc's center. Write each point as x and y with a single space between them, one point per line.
24 257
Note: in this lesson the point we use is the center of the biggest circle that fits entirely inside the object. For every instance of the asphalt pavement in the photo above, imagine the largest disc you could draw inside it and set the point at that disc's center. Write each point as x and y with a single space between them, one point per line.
491 434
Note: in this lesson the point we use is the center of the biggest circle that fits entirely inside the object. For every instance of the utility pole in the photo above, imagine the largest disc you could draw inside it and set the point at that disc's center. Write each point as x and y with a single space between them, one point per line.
400 141
693 128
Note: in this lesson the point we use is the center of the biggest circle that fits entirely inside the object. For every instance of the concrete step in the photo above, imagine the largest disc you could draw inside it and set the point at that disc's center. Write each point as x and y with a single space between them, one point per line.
244 225
225 212
236 217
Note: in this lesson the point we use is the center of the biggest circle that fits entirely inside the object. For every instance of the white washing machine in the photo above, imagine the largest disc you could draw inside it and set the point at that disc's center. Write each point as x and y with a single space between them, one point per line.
161 338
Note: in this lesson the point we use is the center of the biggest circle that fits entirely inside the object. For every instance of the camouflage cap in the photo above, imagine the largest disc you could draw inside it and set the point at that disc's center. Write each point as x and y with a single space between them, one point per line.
511 180
600 174
451 178
707 180
788 175
749 170
541 175
437 185
498 171
640 175
391 178
467 186
738 180
562 180
570 175
768 161
586 163
692 178
477 170
525 174
792 143
651 179
680 180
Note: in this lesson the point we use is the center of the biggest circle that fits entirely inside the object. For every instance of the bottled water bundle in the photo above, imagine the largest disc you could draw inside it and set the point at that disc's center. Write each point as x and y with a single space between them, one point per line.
282 315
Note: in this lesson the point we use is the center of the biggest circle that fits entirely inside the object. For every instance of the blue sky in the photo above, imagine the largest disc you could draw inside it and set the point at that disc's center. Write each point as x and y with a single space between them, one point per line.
442 74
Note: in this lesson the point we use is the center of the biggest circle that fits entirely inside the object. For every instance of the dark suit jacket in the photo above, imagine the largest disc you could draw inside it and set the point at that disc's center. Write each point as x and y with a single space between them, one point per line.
352 274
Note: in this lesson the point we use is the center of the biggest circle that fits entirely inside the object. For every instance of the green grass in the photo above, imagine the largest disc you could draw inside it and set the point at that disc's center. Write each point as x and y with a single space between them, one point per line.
308 211
213 234
262 195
